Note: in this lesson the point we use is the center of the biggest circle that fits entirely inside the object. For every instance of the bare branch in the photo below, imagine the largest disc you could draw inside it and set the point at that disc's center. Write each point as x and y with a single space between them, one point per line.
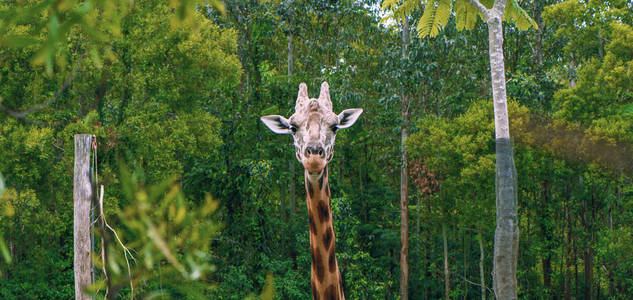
477 284
23 115
603 39
126 250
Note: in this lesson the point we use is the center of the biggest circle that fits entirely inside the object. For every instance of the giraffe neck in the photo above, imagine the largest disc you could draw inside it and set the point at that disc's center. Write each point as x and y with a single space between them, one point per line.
325 275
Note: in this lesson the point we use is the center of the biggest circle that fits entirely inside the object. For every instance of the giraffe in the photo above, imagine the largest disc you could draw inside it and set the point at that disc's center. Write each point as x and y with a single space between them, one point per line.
313 127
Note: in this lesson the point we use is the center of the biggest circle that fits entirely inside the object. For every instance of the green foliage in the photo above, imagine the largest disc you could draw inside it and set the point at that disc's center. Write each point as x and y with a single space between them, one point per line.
435 17
48 24
604 84
519 17
437 12
178 99
168 239
466 15
584 25
136 99
7 210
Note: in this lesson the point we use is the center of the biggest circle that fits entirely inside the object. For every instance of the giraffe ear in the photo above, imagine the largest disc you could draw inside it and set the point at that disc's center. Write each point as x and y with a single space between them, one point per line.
277 124
348 117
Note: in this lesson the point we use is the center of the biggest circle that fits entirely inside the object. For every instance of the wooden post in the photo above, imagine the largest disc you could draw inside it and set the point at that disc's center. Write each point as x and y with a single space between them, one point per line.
82 197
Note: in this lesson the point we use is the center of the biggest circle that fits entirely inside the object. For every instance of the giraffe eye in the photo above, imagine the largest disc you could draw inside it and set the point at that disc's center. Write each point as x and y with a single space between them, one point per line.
293 127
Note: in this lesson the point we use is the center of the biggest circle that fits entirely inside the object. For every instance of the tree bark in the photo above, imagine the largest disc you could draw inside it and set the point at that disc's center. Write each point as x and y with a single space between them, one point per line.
547 234
482 274
465 267
538 35
589 251
82 198
447 276
567 247
575 261
589 273
506 248
404 179
572 71
292 177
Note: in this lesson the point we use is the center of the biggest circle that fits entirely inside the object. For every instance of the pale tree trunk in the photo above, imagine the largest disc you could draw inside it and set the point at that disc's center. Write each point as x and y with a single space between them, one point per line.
291 186
404 179
447 276
506 249
506 246
482 274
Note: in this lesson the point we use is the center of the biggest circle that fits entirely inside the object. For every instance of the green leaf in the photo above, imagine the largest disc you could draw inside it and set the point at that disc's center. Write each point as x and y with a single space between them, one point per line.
461 9
18 41
435 16
472 14
519 17
426 21
270 110
442 13
2 186
5 251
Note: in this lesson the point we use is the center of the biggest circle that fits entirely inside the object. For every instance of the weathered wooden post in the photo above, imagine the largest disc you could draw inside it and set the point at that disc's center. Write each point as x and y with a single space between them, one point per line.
82 197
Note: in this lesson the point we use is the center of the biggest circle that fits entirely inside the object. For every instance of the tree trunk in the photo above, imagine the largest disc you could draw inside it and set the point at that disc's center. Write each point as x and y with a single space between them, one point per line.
417 226
589 252
447 277
506 248
547 234
292 177
589 273
482 274
82 199
575 261
465 267
567 248
538 35
610 273
547 271
572 71
404 179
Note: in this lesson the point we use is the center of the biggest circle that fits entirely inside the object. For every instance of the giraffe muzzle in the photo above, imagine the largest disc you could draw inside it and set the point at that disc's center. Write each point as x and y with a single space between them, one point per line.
314 159
314 150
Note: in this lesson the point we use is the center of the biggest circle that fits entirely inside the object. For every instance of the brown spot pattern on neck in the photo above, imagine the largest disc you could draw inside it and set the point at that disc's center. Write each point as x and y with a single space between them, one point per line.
326 277
324 211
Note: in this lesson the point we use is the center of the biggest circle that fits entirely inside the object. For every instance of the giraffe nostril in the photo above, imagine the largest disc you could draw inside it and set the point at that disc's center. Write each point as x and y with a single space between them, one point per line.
314 150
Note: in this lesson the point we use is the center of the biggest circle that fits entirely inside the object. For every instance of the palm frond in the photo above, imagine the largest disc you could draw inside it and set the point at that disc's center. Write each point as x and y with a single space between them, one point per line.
515 14
435 16
442 13
426 21
460 14
409 6
472 15
390 4
399 9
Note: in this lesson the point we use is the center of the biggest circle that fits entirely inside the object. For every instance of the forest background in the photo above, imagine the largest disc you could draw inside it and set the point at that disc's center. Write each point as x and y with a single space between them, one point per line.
174 92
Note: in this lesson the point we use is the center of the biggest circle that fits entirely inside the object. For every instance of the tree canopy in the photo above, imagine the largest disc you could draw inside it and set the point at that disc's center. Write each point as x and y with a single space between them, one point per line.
198 190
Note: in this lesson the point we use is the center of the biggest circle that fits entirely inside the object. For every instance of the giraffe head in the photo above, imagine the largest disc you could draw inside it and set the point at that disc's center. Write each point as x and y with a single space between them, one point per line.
313 127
